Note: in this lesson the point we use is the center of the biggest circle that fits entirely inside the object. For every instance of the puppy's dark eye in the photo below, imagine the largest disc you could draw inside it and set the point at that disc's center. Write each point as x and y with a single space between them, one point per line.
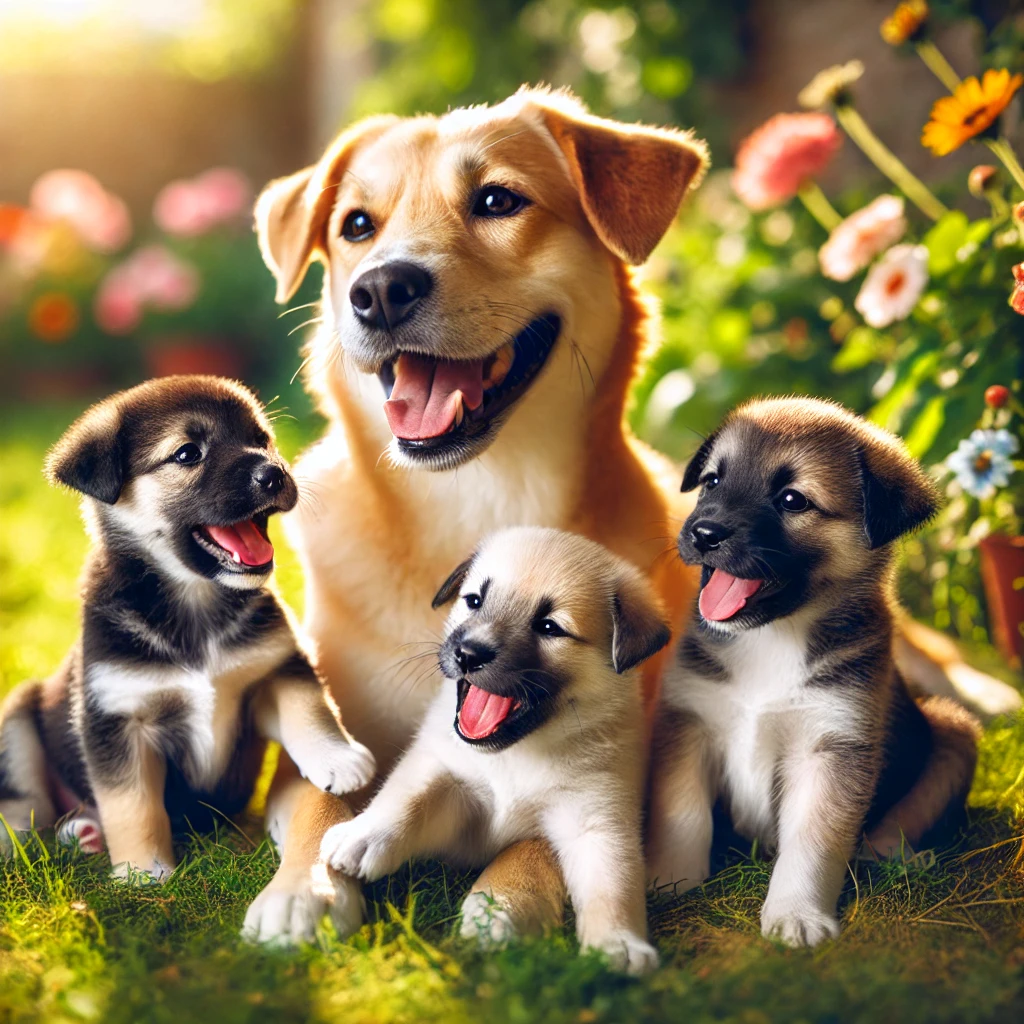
793 501
710 482
357 227
497 201
188 455
548 627
473 601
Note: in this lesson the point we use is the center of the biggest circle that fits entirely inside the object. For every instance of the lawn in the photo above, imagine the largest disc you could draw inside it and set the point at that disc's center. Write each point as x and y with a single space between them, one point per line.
939 937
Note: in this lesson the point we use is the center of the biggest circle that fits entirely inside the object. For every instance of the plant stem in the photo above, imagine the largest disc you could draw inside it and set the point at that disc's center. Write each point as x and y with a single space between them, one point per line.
818 205
1003 150
937 64
888 163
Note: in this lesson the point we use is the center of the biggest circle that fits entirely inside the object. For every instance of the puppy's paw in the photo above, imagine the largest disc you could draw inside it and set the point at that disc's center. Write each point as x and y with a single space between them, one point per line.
798 926
361 848
336 766
153 872
82 832
626 951
486 921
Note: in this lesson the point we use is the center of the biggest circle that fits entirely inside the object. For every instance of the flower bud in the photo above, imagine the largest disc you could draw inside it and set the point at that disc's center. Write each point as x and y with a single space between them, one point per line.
982 179
997 396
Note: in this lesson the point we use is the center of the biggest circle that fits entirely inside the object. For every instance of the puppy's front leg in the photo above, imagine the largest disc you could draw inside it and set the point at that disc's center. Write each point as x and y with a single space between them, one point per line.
825 793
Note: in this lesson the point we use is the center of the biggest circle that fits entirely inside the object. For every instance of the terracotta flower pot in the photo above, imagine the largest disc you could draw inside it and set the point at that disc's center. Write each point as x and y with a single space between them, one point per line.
1002 571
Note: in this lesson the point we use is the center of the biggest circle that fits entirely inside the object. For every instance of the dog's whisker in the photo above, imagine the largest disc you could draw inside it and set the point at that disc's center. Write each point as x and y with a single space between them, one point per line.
295 309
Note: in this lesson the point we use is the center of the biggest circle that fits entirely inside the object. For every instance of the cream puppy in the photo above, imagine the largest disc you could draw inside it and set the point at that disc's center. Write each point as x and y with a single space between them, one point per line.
547 737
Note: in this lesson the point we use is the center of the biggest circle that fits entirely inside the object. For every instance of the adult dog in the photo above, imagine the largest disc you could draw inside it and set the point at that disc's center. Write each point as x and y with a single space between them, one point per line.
480 330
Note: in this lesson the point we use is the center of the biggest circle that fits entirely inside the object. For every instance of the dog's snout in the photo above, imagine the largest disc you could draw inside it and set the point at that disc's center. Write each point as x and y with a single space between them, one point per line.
708 535
471 655
385 296
269 478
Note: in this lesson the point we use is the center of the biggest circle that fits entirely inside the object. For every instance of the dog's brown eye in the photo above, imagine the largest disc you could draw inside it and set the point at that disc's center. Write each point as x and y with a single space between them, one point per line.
793 501
357 227
188 454
497 201
548 627
473 601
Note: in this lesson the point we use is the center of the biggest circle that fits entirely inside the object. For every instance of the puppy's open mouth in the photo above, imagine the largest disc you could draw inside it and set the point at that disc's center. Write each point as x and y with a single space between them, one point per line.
723 596
240 547
434 404
481 716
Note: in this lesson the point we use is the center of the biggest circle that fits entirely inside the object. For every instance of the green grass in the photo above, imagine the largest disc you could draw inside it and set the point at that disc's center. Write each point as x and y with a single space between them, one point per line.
938 938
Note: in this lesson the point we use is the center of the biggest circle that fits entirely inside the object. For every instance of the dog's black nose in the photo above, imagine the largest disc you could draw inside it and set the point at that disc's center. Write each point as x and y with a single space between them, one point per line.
707 535
270 478
472 656
385 296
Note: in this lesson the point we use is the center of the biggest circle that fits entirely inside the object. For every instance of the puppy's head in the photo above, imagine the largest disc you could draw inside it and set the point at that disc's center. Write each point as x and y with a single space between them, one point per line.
471 259
797 496
184 471
542 621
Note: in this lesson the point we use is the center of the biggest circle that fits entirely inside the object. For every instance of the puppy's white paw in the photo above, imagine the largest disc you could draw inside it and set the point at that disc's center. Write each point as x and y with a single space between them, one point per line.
152 873
486 921
336 766
797 925
626 951
288 910
83 832
361 848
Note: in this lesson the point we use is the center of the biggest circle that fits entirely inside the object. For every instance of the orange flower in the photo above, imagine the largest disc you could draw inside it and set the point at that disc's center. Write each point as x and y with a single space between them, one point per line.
969 111
53 317
905 22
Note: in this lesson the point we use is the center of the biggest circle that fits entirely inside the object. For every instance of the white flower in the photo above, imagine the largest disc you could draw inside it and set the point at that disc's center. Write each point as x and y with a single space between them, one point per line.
893 285
856 241
982 462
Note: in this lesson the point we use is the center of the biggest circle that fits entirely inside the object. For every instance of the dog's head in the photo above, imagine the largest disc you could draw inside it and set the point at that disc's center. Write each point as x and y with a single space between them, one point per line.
184 471
798 496
541 620
472 259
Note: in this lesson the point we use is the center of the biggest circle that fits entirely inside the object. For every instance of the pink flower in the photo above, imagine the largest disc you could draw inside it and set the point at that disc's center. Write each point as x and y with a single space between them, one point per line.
893 285
191 207
776 159
855 242
117 307
100 218
151 277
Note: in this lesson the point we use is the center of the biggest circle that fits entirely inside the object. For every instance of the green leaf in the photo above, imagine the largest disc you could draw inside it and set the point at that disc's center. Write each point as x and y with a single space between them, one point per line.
860 348
927 425
943 241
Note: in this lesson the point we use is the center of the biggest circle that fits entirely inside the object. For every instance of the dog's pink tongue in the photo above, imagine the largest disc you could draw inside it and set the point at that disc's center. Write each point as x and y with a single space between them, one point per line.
243 540
724 595
425 399
482 712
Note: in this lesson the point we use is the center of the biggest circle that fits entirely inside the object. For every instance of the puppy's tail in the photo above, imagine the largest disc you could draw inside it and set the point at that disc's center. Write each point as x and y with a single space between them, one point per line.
932 665
936 801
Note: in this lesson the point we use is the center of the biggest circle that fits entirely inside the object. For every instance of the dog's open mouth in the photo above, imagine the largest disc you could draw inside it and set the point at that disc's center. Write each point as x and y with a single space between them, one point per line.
241 547
434 402
492 719
723 596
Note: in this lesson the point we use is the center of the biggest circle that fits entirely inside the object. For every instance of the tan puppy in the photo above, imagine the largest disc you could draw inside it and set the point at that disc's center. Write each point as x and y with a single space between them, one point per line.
785 701
547 739
451 244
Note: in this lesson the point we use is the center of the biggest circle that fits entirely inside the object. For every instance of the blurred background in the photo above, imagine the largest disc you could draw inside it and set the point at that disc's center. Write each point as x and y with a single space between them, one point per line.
134 136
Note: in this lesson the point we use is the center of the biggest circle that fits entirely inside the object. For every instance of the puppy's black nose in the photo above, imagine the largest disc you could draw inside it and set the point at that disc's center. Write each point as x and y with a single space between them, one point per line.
471 656
385 296
707 535
270 478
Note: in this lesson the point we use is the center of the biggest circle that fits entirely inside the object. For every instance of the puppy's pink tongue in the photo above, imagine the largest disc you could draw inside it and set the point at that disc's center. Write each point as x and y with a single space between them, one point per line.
724 595
425 399
482 712
244 541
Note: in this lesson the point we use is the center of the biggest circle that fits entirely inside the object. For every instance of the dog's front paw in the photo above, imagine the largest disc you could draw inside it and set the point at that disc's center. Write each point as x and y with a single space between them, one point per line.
626 951
796 925
361 848
486 921
336 766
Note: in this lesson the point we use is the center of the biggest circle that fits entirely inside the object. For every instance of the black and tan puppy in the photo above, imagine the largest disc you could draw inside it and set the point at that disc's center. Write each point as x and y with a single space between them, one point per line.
186 663
785 702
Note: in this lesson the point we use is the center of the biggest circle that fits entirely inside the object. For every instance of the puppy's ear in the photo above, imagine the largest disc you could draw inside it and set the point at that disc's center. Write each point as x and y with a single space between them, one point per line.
292 213
89 457
897 495
695 467
631 179
450 587
638 626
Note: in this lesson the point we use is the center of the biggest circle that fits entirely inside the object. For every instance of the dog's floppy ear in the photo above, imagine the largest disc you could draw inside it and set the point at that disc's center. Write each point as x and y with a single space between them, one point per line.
292 213
450 587
89 457
631 178
695 467
638 626
897 495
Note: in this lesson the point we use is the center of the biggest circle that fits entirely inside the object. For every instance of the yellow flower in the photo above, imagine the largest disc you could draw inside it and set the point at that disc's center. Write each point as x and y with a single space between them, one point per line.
830 85
904 22
969 111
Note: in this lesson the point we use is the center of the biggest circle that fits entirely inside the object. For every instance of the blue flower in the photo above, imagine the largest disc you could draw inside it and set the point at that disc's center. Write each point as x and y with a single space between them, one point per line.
982 462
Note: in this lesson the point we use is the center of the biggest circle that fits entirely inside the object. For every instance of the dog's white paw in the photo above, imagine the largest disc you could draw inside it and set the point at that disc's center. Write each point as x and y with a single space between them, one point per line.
152 873
82 832
336 766
626 951
486 921
288 910
798 925
361 848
